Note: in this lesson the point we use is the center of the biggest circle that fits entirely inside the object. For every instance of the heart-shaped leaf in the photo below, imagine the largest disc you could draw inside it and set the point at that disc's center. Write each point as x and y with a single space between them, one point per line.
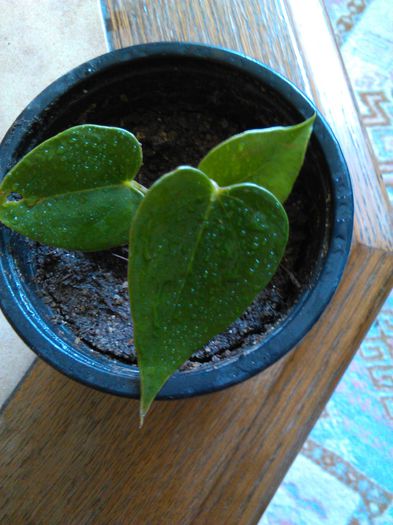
77 189
199 254
270 157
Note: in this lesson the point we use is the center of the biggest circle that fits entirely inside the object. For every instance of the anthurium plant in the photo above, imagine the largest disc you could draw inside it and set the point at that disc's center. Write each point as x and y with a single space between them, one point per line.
203 241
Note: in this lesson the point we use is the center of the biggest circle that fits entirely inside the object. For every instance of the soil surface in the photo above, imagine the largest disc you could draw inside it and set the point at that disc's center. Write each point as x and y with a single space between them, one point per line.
88 292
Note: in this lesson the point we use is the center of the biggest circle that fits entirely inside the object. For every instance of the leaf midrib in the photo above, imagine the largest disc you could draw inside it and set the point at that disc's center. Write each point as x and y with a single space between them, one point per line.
213 198
126 184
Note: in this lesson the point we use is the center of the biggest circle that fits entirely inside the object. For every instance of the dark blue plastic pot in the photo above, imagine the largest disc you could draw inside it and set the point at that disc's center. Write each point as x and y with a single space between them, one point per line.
152 74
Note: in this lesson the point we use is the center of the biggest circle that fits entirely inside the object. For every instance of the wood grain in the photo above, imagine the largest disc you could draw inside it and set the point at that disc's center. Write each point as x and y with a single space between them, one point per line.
72 455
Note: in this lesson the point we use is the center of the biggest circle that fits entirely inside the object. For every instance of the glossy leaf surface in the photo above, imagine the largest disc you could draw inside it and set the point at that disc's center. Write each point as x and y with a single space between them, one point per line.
77 189
199 255
270 157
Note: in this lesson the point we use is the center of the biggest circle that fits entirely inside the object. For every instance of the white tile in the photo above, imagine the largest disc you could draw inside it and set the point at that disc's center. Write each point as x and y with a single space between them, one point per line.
40 41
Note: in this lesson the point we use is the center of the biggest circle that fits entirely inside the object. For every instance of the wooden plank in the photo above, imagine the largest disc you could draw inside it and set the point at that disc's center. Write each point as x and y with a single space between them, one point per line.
66 450
329 89
68 453
279 33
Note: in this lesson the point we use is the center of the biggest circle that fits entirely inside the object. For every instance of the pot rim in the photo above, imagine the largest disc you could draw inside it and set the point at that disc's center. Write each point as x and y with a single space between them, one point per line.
109 375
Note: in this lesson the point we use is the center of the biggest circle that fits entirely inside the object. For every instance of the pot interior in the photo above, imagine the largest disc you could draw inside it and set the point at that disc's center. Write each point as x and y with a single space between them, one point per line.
180 107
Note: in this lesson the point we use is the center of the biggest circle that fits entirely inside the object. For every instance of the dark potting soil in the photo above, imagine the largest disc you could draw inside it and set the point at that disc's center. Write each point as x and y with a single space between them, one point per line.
88 292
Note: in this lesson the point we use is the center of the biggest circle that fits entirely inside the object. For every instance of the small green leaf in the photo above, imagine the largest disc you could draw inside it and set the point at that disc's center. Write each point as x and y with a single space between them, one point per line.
199 254
77 189
270 157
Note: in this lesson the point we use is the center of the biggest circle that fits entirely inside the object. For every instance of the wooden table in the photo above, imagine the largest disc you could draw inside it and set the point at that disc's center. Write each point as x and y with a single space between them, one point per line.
70 455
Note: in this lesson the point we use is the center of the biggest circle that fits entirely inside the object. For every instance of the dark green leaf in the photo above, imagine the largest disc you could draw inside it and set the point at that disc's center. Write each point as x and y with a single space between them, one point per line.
77 189
270 157
199 256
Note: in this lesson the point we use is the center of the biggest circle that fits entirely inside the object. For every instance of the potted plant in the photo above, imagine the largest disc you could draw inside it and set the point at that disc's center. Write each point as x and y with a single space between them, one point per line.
181 100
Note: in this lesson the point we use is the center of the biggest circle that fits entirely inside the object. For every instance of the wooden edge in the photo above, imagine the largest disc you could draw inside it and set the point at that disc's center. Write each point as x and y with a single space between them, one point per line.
373 212
248 482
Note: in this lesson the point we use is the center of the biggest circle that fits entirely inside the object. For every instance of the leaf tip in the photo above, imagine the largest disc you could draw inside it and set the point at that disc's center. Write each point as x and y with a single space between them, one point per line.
145 404
142 415
310 121
307 124
144 408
